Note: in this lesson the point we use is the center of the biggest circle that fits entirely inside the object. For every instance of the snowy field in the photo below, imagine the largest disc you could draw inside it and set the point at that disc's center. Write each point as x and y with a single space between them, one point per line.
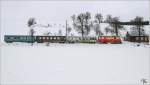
74 63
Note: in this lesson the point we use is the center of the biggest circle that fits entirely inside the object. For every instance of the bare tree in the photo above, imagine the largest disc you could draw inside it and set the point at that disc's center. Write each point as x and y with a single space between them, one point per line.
138 26
107 30
30 24
97 30
108 18
113 22
60 32
87 24
81 23
99 17
116 26
69 30
31 32
73 17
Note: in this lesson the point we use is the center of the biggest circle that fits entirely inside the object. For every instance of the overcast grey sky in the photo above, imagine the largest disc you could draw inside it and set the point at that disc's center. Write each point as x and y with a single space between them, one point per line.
15 14
62 10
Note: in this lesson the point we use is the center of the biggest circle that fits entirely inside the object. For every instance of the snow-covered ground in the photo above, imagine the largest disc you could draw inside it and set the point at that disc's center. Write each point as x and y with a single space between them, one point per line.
74 63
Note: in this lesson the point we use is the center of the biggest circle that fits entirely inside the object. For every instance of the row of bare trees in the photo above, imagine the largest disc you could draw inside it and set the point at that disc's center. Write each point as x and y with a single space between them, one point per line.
83 24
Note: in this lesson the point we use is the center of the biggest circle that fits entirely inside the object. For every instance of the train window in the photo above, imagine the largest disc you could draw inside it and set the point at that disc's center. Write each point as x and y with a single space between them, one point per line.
21 38
58 38
146 39
137 38
54 38
43 37
27 38
39 37
51 38
141 38
47 37
74 38
11 38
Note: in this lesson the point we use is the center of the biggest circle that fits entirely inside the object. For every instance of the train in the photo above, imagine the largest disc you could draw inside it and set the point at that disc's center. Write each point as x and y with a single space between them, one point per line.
32 39
136 38
62 39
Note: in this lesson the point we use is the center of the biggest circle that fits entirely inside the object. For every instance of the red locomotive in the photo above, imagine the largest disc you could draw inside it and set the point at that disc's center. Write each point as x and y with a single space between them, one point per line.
109 39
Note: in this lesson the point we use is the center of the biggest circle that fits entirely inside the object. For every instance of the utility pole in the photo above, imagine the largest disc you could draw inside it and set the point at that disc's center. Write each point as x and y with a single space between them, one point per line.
66 30
116 30
139 34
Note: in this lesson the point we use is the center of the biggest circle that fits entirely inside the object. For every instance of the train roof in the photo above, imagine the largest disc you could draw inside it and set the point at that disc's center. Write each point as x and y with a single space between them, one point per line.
108 36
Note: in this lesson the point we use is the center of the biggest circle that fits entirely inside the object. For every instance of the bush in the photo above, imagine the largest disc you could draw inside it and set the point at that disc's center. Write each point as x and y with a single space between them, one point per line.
88 41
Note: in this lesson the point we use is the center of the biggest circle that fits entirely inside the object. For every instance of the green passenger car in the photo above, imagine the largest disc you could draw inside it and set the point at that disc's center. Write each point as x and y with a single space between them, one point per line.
19 38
